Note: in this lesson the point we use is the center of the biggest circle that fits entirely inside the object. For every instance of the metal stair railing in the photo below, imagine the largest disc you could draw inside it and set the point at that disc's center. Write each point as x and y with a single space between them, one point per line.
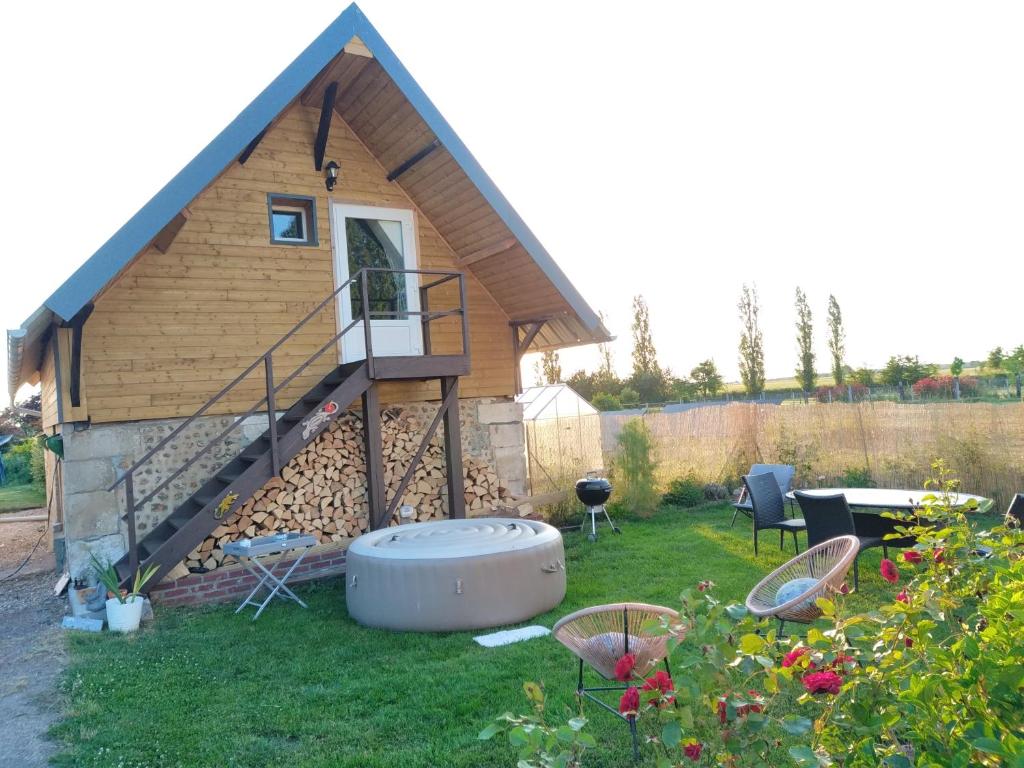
266 359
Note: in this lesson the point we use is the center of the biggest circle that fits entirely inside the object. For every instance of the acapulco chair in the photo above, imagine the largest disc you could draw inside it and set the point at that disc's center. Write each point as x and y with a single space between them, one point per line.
601 635
827 563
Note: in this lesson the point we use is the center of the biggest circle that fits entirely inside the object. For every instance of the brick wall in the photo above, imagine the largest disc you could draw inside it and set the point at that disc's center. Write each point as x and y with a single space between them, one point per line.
233 582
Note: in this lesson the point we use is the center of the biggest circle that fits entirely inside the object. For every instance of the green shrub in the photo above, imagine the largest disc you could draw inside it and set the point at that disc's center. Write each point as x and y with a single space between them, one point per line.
634 468
37 463
684 491
18 463
605 402
857 477
564 513
802 454
629 396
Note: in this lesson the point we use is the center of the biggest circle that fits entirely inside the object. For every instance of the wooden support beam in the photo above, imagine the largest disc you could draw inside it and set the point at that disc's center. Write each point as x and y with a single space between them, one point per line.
326 111
251 146
449 400
76 324
531 334
520 345
490 250
453 449
162 242
374 451
409 163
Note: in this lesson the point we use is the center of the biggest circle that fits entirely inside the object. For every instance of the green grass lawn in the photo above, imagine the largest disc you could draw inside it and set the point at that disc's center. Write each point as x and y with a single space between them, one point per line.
300 688
14 498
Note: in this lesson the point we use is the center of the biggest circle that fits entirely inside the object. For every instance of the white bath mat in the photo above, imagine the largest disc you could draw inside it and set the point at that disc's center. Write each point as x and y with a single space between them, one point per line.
509 636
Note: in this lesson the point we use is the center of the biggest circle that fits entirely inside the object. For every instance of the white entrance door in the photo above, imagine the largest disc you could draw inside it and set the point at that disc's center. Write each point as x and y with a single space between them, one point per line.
365 236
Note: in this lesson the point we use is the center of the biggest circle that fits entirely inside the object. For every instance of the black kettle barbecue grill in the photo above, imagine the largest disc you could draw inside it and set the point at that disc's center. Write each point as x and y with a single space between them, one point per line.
593 492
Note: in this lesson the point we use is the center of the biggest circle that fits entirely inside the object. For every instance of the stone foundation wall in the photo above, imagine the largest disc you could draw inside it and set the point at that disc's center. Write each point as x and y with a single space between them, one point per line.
94 457
492 435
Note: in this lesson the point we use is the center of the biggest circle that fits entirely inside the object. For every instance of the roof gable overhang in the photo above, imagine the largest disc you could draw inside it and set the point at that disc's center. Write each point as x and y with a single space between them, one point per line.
510 244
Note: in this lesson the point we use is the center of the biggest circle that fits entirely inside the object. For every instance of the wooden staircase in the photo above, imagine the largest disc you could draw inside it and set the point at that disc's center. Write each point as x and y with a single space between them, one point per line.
168 543
194 520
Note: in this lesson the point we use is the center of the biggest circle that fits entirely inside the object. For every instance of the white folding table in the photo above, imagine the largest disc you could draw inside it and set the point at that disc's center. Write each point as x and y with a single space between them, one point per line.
249 551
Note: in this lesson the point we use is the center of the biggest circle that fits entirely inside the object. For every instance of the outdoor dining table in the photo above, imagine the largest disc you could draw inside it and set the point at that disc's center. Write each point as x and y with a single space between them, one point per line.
893 499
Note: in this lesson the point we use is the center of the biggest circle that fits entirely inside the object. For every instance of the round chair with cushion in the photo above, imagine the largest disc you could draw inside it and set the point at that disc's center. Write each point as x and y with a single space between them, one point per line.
601 635
789 592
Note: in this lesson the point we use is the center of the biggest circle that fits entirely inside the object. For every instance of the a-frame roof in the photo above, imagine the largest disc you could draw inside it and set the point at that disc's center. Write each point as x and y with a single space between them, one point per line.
569 319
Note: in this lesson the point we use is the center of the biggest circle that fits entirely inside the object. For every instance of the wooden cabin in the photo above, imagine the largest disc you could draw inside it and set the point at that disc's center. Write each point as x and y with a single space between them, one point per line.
214 371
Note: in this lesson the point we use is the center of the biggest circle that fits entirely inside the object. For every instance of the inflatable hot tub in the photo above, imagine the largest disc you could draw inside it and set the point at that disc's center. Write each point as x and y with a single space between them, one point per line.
454 574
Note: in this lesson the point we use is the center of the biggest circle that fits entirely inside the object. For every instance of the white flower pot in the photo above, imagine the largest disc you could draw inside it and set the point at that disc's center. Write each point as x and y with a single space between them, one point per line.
124 617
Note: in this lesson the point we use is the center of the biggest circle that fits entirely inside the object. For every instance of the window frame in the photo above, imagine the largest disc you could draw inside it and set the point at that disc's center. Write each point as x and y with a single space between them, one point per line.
302 204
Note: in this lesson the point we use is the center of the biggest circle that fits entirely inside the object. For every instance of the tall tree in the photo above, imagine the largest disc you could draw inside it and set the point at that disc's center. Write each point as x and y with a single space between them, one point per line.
1014 362
550 368
836 340
995 359
706 379
804 342
645 358
863 375
751 343
20 420
906 370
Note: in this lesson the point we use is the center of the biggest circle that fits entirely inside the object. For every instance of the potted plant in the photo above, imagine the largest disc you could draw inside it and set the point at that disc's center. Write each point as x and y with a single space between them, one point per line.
124 607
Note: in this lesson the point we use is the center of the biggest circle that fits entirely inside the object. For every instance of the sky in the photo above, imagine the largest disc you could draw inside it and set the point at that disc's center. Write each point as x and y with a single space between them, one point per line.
673 150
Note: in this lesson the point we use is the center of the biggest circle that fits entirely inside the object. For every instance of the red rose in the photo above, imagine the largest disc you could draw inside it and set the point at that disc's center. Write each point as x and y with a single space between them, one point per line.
722 710
912 556
822 682
624 667
889 571
692 750
660 681
939 555
791 658
630 701
908 642
662 684
903 597
844 589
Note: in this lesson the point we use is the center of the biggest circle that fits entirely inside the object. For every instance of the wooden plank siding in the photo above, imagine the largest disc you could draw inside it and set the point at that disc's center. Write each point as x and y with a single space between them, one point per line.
48 388
175 327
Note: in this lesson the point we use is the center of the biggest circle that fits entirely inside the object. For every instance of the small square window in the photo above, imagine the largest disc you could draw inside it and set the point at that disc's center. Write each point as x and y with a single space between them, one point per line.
292 220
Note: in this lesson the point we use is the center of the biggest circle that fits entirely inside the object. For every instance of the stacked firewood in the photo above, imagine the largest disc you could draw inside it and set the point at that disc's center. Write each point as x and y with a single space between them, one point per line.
322 491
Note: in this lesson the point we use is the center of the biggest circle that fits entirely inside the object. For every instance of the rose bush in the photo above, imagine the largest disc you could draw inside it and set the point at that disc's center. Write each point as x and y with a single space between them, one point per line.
839 394
932 677
942 386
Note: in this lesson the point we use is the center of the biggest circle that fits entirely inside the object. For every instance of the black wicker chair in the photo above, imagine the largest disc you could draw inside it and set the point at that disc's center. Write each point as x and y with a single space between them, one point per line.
830 516
783 473
769 508
1015 514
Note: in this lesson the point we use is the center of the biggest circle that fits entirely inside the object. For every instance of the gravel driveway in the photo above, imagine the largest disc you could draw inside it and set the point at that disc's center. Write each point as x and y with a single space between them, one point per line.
31 648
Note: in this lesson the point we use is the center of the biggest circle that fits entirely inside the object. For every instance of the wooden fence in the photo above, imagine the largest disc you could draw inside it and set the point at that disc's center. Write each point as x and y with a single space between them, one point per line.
892 443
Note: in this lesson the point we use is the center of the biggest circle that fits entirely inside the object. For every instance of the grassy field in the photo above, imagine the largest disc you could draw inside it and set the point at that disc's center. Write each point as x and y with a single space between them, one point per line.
14 498
205 687
824 380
